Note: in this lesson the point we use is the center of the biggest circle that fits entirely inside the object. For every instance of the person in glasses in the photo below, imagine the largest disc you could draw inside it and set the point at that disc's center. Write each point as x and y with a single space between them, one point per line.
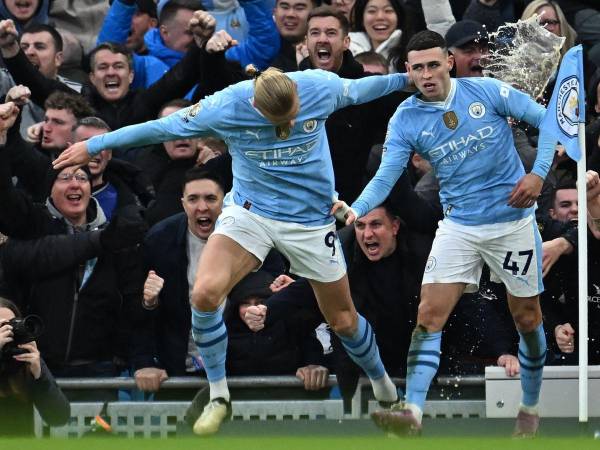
553 19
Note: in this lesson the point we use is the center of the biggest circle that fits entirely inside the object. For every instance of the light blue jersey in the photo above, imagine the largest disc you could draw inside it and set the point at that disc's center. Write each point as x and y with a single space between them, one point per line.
469 144
282 179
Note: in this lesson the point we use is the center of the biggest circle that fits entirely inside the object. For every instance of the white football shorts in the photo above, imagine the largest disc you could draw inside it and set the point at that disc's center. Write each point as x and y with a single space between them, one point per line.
313 252
512 250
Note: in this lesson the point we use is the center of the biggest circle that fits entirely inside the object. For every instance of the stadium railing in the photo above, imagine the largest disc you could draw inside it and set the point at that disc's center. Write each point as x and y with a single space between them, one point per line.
161 419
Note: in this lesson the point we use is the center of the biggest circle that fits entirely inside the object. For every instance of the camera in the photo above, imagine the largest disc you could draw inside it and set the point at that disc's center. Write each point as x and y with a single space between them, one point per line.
24 330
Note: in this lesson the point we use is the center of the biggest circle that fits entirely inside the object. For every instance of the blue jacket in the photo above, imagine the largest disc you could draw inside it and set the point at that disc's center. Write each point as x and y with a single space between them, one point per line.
115 28
157 48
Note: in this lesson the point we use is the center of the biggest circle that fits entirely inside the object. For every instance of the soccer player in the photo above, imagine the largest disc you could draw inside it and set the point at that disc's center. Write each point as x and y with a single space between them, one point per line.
460 126
282 196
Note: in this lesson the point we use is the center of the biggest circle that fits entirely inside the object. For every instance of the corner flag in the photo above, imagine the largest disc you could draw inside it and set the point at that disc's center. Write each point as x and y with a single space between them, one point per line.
567 105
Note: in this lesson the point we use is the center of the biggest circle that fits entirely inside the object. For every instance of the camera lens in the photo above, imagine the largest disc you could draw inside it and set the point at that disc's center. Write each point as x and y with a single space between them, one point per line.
34 325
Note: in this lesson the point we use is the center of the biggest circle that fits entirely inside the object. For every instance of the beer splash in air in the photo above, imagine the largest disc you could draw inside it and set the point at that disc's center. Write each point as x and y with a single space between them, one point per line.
523 54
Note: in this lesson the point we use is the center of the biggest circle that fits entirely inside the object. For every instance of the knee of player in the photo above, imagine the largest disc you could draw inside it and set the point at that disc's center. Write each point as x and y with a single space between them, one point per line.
527 321
344 324
429 319
206 297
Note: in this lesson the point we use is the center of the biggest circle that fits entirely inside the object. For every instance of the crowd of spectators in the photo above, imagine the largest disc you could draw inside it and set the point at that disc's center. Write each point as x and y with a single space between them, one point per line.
106 254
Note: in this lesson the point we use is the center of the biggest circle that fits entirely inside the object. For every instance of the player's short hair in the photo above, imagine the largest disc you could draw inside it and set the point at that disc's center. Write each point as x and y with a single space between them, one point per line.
275 95
75 103
44 28
328 11
200 173
113 48
424 40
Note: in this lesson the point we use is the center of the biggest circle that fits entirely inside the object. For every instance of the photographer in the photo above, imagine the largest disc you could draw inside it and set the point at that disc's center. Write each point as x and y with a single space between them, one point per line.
25 381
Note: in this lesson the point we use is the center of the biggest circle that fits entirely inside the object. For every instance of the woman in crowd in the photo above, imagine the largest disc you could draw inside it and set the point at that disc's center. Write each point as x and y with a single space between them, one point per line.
378 26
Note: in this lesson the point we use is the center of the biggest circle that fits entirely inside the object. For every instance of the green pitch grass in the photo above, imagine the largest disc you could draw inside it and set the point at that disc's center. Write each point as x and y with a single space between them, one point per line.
301 443
439 434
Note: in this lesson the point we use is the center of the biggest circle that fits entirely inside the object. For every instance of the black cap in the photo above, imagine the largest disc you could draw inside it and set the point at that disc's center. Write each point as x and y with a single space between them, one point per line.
255 284
465 31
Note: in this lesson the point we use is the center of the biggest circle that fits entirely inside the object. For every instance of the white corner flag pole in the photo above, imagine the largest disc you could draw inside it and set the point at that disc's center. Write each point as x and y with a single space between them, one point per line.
583 278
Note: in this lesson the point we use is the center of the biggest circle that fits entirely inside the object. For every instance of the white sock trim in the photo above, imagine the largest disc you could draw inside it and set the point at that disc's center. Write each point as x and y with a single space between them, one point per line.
384 389
417 412
529 409
219 389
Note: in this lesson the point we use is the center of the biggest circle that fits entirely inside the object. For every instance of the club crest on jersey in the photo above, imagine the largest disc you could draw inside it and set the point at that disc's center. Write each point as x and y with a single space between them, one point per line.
309 125
194 109
450 120
476 110
283 132
567 106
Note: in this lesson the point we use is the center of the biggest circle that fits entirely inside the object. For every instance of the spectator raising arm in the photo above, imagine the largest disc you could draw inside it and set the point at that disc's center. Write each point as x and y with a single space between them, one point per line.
593 198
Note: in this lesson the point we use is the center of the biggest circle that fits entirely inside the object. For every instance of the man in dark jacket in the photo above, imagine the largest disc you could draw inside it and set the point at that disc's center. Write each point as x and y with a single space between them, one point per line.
171 252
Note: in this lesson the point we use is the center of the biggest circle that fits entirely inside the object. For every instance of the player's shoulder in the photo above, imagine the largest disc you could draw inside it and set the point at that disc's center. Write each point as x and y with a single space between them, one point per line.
314 78
477 81
406 107
230 96
475 84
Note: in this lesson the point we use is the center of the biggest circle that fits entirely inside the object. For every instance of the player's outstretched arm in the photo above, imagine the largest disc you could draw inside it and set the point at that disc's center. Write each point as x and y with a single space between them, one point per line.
362 90
193 121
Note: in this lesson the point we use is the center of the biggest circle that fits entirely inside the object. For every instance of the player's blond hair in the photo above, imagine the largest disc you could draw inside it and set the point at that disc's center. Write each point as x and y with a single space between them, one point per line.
275 96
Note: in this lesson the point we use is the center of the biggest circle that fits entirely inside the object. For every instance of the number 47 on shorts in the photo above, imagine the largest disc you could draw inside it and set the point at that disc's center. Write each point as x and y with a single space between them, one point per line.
513 265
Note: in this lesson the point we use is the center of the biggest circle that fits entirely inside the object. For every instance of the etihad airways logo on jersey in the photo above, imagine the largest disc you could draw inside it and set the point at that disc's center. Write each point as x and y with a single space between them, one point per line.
287 156
461 147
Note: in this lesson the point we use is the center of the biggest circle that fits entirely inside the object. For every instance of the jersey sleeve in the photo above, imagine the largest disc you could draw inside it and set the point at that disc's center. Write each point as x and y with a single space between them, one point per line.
396 151
346 92
194 121
514 103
